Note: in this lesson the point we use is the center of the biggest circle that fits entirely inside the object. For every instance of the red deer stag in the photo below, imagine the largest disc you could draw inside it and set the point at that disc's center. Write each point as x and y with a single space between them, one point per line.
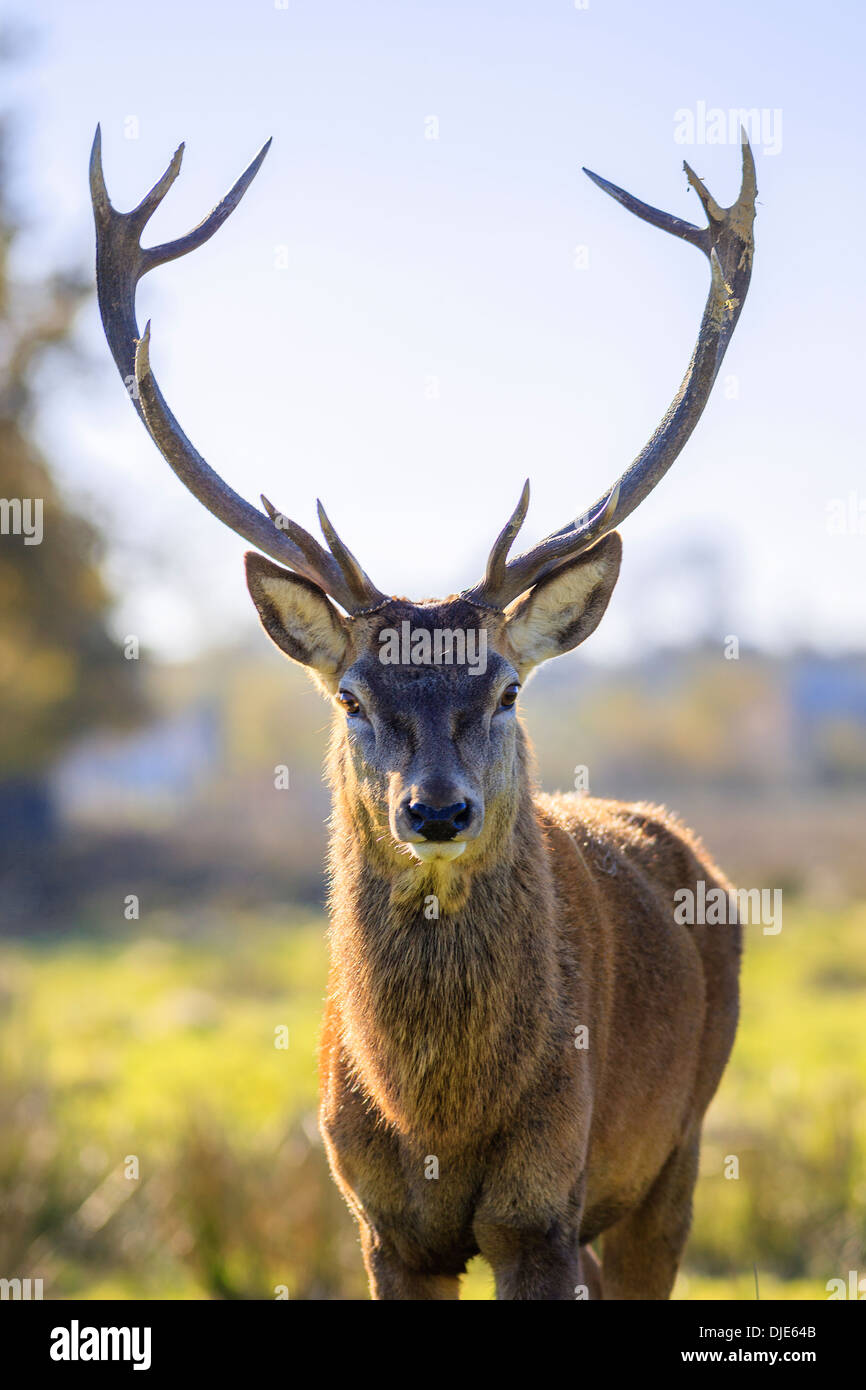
520 1042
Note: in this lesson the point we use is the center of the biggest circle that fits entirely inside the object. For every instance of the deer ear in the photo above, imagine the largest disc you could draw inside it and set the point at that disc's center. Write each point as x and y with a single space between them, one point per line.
562 610
298 617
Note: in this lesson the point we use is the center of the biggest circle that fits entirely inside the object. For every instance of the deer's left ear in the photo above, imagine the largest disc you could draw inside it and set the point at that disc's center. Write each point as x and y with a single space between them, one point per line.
299 618
562 610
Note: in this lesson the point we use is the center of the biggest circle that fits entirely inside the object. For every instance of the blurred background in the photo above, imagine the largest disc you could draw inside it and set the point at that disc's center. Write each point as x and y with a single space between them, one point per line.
420 301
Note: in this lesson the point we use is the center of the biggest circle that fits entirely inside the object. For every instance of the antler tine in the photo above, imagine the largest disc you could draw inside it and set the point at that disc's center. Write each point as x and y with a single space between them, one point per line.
302 539
121 261
496 564
664 220
364 590
359 582
728 243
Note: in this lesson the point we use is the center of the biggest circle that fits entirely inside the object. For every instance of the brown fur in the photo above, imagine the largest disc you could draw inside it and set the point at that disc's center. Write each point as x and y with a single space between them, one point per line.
450 1040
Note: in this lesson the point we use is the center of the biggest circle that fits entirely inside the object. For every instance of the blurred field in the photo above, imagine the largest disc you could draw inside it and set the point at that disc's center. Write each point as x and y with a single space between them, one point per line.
160 1047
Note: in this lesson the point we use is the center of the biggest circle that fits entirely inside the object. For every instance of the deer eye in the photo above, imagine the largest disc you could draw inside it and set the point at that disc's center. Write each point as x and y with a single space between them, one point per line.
509 696
349 703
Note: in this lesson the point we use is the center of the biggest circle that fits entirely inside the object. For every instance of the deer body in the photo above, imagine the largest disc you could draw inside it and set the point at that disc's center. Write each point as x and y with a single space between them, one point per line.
454 1038
520 1040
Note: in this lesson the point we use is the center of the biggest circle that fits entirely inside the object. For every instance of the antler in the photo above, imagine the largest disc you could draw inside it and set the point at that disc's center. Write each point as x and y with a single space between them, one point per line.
729 245
121 261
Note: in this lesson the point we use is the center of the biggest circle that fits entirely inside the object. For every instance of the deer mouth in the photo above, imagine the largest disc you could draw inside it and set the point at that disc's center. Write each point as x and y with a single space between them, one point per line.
437 849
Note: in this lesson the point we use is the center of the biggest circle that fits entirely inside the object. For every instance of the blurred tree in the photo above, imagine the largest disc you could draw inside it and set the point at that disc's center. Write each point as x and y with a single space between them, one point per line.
61 672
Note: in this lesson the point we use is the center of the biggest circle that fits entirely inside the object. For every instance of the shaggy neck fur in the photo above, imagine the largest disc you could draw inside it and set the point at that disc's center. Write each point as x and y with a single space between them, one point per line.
445 1020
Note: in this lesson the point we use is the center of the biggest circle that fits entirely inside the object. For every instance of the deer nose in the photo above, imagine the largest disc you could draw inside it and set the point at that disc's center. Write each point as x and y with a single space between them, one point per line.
439 822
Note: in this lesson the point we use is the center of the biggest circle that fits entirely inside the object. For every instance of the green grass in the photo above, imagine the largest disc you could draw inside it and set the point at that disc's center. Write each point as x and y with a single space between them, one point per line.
159 1046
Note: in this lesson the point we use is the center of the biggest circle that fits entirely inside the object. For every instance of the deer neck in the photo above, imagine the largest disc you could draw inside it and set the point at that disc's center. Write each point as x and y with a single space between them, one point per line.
448 989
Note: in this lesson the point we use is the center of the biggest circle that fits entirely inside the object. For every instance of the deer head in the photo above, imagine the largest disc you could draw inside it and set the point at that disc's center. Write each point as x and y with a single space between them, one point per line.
428 747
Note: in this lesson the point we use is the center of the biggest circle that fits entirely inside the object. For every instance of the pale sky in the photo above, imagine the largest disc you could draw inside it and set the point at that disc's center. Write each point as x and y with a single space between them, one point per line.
401 325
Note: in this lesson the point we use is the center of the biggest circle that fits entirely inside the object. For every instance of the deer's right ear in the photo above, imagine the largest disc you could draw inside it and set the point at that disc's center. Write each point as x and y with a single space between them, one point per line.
562 610
298 617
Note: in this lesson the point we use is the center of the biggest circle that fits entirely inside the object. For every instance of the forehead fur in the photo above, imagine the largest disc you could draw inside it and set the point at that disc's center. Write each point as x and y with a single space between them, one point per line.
452 615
